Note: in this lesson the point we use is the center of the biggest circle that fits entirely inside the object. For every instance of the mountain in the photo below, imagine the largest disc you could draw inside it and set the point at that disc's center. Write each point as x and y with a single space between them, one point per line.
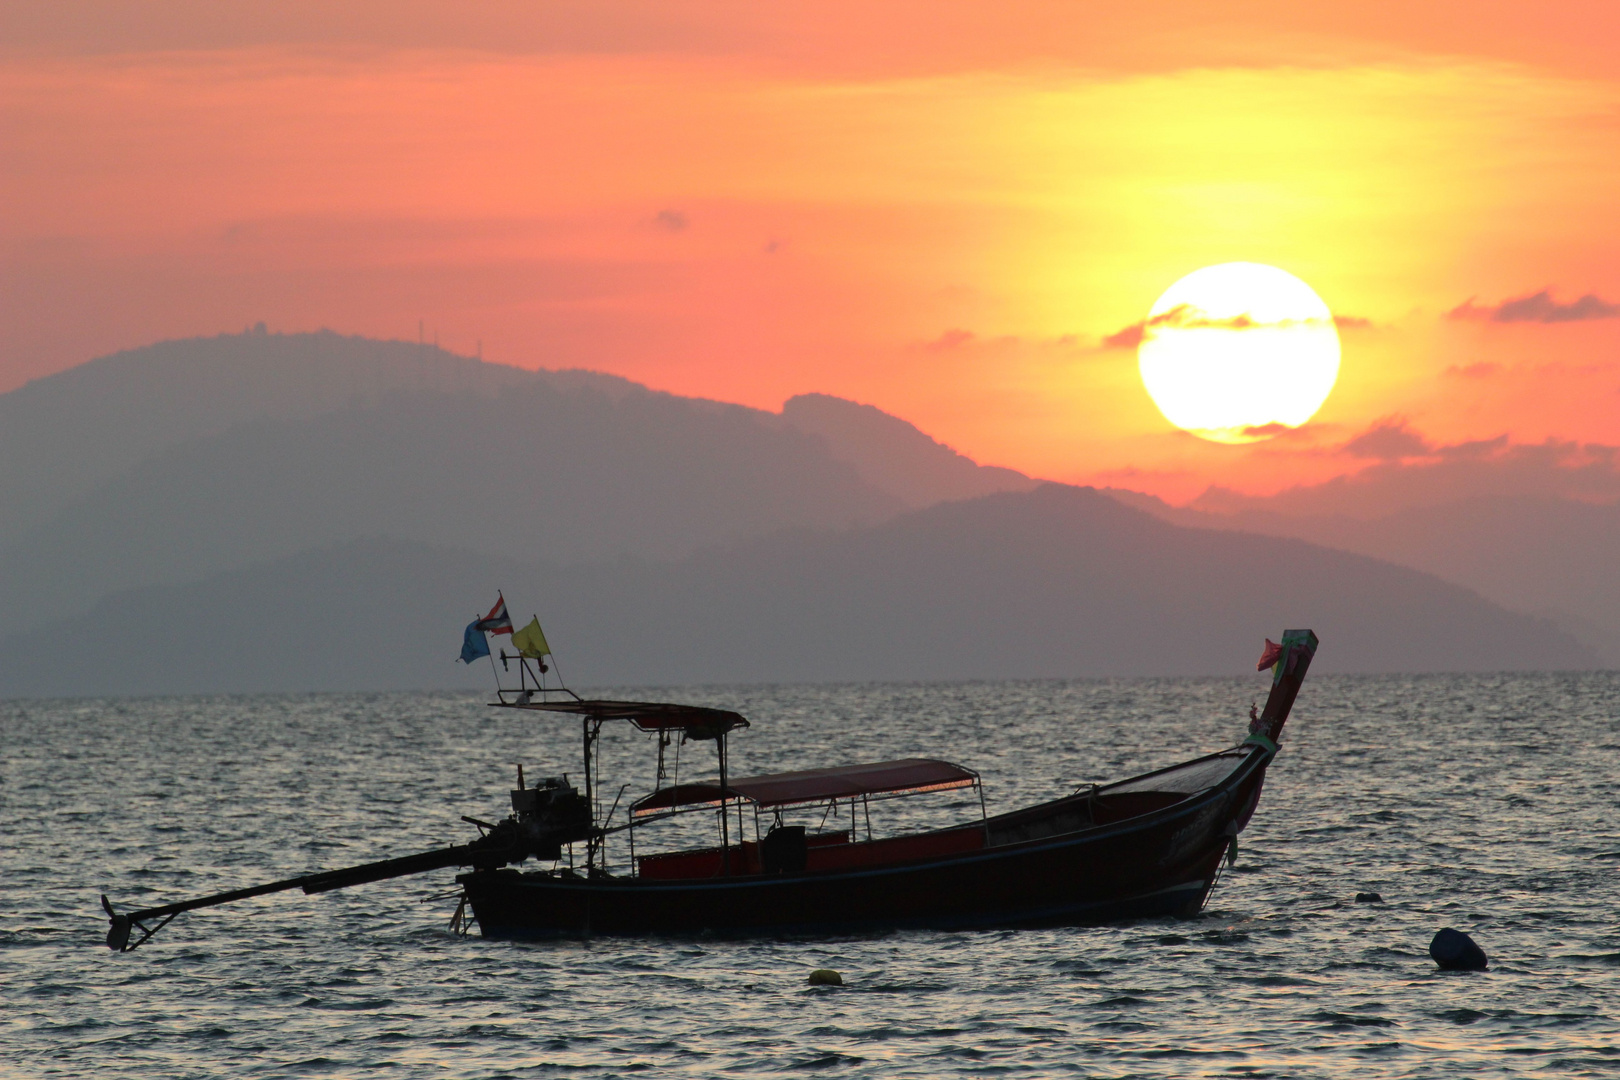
1558 558
193 458
535 472
63 436
302 478
1055 582
895 456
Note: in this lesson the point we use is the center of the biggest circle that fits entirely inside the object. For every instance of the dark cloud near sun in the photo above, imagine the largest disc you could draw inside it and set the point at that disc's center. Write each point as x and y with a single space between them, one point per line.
1538 307
671 220
1188 317
950 339
1128 338
1267 431
1389 440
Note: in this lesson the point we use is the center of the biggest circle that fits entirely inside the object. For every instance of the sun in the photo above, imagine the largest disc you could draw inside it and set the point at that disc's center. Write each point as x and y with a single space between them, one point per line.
1238 352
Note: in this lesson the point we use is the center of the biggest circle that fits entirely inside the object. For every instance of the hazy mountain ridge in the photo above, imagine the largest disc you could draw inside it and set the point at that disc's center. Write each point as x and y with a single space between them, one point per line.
298 479
187 459
1057 582
1557 558
64 435
531 473
896 456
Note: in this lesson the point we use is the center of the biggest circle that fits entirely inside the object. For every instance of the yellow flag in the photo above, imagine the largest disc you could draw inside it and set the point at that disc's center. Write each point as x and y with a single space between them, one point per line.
531 640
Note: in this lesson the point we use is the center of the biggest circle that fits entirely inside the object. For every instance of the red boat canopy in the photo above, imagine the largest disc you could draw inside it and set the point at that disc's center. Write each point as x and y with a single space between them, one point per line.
697 721
908 776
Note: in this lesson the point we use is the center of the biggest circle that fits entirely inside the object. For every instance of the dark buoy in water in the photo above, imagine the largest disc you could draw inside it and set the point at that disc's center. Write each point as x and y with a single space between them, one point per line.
1368 898
826 977
1454 950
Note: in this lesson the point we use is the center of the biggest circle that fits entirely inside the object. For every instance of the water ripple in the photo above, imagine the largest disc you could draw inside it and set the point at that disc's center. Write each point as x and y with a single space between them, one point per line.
1484 802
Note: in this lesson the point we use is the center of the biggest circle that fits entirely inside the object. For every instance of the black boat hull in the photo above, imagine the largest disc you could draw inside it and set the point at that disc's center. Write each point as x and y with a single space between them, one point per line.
1160 863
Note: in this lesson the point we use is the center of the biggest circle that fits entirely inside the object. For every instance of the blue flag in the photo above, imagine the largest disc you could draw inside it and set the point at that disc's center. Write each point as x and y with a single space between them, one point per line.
473 643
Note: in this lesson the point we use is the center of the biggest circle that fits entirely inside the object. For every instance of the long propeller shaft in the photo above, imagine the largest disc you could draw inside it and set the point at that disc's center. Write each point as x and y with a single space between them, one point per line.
488 851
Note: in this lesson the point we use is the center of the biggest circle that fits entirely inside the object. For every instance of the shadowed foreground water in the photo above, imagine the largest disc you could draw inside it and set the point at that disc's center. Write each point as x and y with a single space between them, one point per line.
1488 803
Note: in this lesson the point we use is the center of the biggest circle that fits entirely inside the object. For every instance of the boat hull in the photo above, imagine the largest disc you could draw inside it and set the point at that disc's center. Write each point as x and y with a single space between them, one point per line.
1161 863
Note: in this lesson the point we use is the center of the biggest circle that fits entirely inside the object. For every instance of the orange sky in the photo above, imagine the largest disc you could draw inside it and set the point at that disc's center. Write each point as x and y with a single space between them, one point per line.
939 209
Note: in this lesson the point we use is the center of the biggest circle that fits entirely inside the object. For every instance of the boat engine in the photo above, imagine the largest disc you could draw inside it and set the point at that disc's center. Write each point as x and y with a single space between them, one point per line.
551 814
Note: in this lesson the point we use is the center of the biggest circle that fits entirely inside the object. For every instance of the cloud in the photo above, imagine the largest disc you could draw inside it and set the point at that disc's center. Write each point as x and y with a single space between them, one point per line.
1128 338
1481 370
1538 307
1189 317
1389 440
1304 435
1266 431
1181 317
950 339
1489 449
671 220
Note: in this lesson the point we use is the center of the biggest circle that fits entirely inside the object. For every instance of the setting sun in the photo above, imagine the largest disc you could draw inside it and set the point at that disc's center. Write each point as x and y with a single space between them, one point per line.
1235 351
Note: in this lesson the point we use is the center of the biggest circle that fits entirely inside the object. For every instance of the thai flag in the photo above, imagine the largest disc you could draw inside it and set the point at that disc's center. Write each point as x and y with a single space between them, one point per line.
497 621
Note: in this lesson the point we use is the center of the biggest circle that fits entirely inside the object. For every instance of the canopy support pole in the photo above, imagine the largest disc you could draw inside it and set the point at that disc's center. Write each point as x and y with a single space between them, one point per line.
984 811
590 794
725 830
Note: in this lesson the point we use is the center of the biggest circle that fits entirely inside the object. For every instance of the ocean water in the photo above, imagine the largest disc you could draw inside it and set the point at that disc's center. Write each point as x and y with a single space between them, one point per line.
1488 803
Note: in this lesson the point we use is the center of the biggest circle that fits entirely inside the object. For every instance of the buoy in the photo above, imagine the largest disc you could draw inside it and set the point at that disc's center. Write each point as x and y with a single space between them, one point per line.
1368 898
826 977
1454 950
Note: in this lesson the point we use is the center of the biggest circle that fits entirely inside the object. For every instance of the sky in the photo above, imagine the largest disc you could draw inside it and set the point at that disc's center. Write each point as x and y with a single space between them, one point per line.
942 209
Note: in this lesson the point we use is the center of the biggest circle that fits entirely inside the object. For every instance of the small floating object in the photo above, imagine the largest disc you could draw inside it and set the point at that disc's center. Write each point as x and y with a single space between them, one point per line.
826 977
1454 950
1368 898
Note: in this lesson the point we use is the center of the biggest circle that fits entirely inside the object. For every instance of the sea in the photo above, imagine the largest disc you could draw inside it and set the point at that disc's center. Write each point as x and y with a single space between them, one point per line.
1488 803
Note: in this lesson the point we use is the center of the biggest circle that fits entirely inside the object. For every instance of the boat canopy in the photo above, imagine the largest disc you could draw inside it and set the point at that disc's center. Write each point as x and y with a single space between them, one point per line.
908 776
697 721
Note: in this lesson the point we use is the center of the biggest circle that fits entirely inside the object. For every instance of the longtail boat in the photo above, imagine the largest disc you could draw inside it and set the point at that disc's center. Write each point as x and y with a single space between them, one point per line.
1149 846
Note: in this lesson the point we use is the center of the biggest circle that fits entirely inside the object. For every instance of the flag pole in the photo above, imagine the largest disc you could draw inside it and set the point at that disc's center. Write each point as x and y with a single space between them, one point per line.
541 660
491 656
500 600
